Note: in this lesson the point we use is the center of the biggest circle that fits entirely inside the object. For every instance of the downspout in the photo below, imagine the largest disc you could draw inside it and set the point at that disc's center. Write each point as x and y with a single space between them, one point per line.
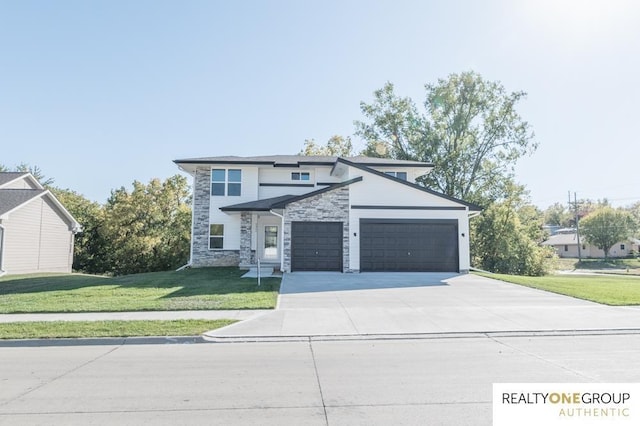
281 238
2 231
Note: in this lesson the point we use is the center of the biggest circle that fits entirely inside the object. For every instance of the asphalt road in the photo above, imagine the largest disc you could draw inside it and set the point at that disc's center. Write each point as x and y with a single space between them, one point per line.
426 381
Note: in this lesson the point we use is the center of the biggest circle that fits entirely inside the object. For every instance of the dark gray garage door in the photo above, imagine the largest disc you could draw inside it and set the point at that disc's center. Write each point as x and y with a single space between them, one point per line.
409 245
316 246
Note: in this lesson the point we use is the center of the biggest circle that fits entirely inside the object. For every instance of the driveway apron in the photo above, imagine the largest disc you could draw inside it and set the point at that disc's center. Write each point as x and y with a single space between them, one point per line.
365 304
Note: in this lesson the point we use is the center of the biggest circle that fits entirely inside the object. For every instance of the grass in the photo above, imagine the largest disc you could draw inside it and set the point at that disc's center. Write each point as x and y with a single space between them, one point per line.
190 289
611 266
606 289
79 329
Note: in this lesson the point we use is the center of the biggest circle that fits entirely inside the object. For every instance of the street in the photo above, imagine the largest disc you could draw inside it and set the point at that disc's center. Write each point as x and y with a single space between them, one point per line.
433 380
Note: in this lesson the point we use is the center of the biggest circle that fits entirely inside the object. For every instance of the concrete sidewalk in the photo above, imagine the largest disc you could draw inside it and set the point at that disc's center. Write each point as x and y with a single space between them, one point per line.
132 316
433 303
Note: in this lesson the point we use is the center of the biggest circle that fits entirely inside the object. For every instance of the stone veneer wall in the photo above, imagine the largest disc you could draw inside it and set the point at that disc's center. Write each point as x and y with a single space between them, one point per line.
200 253
245 238
331 206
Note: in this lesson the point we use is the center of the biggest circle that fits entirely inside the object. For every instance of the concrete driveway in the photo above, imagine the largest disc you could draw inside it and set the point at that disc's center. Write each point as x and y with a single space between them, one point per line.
365 304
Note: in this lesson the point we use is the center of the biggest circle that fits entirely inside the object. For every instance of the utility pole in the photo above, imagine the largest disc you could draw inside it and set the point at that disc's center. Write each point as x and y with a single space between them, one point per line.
577 218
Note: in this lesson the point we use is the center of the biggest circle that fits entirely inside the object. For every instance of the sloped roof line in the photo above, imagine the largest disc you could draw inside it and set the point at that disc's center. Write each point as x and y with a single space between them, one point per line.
267 204
296 160
472 207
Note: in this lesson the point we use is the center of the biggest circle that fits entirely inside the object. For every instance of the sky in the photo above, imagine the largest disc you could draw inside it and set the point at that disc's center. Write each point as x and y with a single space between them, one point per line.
98 94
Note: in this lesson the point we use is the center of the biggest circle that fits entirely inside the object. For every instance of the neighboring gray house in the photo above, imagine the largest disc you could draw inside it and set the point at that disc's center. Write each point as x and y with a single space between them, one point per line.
565 243
320 213
36 231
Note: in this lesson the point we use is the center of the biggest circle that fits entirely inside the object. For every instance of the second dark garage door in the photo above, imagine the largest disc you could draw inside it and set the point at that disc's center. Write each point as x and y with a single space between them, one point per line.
409 245
316 246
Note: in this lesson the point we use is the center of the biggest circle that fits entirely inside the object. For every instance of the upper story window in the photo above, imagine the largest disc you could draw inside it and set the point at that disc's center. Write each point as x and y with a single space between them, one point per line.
300 176
226 182
399 175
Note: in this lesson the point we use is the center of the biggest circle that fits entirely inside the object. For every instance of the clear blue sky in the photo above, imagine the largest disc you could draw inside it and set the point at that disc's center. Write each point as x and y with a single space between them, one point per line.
101 93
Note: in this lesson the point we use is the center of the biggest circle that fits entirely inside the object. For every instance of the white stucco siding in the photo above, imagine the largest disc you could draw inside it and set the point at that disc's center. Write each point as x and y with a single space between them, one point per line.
277 191
377 190
282 175
37 239
323 175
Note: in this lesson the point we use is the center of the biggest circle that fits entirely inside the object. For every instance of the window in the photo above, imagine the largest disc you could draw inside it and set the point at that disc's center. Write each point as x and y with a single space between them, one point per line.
621 246
566 247
300 176
227 182
216 236
234 187
399 175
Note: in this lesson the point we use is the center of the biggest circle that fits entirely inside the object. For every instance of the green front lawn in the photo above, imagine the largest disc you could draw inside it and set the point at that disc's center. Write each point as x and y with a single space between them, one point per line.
190 289
80 329
611 266
606 289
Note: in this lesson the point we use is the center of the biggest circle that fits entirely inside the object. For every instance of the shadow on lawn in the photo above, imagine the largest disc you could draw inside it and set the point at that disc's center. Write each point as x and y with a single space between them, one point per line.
189 282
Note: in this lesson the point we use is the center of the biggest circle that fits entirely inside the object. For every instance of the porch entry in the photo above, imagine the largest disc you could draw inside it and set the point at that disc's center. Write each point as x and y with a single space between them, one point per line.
270 242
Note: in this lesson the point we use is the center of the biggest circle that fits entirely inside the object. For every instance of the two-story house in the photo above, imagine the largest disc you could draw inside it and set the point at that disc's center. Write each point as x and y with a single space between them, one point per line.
36 231
321 213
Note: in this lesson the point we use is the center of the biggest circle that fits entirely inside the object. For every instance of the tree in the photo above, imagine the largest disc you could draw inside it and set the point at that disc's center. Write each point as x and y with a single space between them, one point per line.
634 211
336 146
469 129
90 247
506 237
558 215
149 228
606 226
34 170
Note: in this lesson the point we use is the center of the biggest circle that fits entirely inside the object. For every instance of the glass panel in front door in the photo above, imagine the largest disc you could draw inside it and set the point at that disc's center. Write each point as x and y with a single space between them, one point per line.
271 242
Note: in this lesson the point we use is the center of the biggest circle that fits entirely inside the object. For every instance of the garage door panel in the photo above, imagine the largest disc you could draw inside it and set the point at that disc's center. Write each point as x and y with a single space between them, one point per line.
409 245
316 246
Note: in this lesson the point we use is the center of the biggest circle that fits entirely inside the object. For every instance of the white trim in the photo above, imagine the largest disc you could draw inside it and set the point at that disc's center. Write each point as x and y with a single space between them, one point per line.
281 216
2 234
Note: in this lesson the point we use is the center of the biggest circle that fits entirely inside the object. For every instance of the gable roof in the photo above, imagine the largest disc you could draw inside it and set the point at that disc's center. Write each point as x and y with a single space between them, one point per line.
472 207
10 199
6 177
298 160
281 202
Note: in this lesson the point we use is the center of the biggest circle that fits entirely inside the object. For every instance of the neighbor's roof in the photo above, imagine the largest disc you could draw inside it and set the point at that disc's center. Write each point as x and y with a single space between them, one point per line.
12 198
298 160
562 240
6 177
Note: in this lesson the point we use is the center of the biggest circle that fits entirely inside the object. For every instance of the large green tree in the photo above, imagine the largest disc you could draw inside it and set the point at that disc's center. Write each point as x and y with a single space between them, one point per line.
506 237
337 145
468 127
148 228
606 226
91 253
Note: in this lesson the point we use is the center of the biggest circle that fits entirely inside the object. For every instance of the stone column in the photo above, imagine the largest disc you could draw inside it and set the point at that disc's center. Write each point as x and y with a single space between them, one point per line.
246 223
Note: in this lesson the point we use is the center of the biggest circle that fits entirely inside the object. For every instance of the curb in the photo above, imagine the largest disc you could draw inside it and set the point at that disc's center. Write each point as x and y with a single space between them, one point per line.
102 341
419 336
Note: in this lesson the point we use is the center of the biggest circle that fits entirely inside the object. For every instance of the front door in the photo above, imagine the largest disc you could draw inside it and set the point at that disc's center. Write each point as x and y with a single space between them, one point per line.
270 249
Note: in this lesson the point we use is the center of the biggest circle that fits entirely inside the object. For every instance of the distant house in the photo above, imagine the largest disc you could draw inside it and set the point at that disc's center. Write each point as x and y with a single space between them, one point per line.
565 242
36 231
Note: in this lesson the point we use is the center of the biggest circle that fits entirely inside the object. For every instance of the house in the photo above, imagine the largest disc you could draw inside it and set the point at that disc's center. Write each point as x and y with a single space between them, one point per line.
565 242
321 213
36 231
